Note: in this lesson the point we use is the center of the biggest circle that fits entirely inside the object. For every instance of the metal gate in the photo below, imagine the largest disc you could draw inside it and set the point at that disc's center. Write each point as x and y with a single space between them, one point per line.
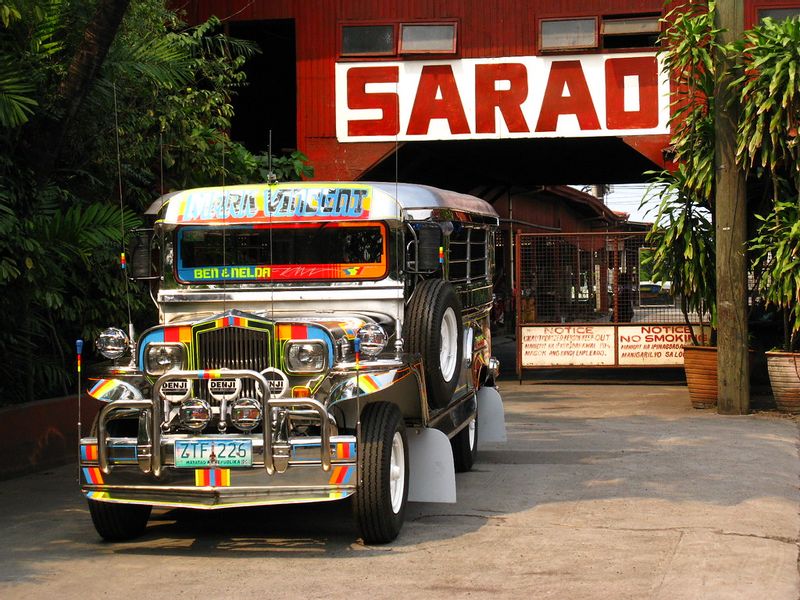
588 300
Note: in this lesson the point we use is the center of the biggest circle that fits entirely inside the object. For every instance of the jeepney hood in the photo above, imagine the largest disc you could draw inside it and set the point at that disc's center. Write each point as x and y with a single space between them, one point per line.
257 339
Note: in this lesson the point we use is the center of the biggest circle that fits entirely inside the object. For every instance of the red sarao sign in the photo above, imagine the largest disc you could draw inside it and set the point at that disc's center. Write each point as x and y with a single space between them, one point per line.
530 96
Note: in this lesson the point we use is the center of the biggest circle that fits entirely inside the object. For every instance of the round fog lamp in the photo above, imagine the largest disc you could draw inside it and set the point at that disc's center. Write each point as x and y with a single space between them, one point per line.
112 343
195 413
373 339
246 413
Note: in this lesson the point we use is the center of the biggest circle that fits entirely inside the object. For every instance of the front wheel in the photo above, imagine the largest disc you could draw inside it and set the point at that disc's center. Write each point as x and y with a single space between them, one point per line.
119 522
380 500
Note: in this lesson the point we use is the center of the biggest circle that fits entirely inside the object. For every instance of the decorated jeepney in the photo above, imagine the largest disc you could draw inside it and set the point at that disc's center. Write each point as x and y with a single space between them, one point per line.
316 341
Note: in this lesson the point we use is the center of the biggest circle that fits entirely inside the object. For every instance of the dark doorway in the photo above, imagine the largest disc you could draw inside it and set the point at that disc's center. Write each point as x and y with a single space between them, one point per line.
269 100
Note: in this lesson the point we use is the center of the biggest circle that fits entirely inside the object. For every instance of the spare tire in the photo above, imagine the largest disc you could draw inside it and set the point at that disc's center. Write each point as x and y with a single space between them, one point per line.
434 330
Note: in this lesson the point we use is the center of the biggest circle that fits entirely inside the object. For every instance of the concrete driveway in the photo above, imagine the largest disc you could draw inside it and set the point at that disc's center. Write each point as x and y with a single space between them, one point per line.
602 491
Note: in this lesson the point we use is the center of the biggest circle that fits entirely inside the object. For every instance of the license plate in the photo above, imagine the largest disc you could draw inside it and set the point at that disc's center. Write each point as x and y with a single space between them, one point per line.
213 453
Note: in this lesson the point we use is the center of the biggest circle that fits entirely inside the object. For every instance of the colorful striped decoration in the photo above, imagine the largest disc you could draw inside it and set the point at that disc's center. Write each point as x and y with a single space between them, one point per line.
210 374
98 495
344 450
182 333
89 452
289 331
102 387
212 477
93 475
230 321
341 475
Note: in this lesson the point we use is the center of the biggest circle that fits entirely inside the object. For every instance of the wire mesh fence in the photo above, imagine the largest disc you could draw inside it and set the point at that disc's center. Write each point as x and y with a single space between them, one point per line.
591 278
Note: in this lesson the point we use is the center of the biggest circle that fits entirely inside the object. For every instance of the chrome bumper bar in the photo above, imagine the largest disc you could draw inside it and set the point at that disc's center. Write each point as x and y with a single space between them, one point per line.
152 462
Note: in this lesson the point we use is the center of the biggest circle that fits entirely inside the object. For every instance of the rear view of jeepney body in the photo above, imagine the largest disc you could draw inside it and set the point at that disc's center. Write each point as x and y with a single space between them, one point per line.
308 338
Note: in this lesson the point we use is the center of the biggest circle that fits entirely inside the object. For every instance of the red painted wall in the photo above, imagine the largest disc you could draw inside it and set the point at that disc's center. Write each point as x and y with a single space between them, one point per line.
486 28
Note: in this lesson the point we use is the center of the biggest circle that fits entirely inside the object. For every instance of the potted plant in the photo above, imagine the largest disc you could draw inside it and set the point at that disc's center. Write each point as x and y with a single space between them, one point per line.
768 145
682 238
776 251
682 235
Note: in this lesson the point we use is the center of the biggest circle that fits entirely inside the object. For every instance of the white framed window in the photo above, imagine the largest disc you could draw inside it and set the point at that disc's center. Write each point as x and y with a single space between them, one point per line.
630 32
437 38
367 40
568 34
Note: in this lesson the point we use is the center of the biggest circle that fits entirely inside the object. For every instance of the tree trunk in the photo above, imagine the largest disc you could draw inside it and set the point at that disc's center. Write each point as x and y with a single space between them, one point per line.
81 74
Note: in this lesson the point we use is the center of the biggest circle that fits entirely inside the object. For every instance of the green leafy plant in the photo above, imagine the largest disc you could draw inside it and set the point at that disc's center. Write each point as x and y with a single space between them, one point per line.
776 250
164 91
682 235
769 93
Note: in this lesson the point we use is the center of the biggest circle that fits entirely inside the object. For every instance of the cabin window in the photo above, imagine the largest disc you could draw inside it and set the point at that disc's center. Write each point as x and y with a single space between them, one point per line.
630 32
467 256
367 40
427 38
568 34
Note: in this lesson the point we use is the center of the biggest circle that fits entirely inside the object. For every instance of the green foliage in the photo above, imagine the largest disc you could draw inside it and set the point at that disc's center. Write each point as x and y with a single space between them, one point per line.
776 250
769 93
683 247
688 45
682 235
155 118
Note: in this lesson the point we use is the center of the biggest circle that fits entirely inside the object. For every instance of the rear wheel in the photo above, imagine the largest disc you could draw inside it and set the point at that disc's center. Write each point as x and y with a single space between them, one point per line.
465 446
380 501
119 522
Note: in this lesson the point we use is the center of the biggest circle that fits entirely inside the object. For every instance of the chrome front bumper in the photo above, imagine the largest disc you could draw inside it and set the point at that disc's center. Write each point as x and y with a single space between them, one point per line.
142 469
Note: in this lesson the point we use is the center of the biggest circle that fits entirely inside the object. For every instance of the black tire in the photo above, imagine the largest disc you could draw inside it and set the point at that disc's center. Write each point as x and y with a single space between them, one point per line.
425 313
119 522
378 514
465 446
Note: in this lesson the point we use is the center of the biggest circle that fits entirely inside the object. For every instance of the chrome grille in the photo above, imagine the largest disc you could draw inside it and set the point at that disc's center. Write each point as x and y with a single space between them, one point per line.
233 348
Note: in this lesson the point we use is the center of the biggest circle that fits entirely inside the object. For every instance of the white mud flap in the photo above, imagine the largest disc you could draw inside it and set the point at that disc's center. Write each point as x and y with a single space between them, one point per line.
491 417
430 461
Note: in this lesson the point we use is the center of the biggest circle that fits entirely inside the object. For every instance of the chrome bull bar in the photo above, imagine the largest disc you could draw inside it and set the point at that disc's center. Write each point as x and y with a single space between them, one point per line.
156 407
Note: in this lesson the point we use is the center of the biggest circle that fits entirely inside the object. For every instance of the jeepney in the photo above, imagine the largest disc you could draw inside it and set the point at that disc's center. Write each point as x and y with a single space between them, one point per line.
316 341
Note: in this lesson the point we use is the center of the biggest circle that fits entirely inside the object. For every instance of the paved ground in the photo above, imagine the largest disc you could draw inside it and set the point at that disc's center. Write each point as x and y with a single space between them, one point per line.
603 491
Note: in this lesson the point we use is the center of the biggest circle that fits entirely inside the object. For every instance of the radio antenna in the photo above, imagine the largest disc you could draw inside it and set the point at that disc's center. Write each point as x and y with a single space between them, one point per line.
271 180
225 205
122 262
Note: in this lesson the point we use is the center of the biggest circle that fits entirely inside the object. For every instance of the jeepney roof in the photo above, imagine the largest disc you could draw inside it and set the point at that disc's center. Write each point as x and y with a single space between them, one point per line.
315 201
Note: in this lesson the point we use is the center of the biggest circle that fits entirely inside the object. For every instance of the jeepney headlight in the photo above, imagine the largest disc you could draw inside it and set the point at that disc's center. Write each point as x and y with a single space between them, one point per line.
195 413
306 356
372 339
160 358
112 343
246 413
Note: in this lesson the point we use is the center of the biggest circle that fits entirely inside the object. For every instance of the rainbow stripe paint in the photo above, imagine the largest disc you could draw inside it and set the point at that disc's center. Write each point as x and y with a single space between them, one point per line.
102 387
342 475
93 475
89 452
212 477
343 450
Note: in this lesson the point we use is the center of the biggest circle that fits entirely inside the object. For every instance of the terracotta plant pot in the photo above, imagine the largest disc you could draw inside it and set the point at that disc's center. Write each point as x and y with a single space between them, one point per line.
784 377
700 365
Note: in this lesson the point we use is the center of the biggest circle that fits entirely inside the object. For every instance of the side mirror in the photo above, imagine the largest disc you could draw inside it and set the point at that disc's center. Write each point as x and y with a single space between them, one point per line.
141 260
429 240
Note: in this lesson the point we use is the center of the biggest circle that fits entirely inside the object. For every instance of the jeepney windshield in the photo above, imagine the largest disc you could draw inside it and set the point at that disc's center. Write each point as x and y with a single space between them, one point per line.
282 252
